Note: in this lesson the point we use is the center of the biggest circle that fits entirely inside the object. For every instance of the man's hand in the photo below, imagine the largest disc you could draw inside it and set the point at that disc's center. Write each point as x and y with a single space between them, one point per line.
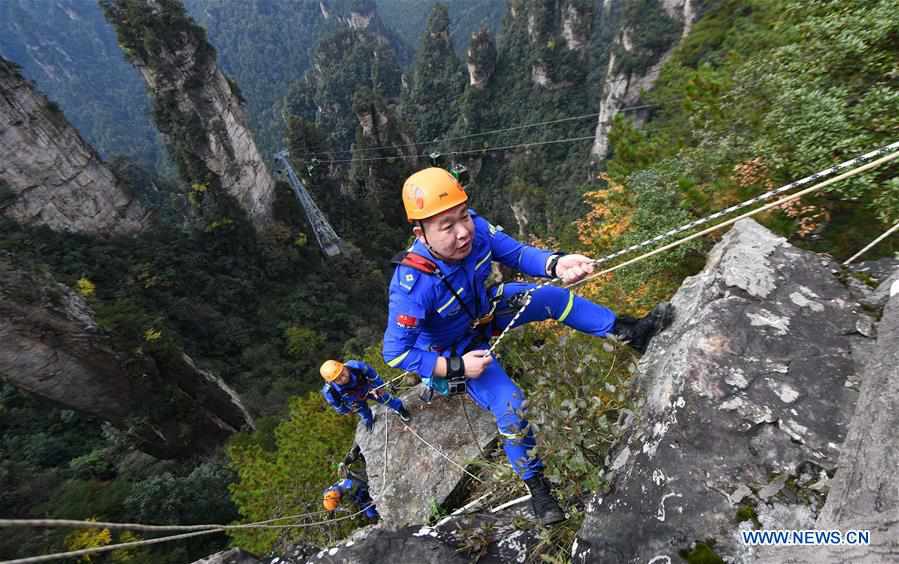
572 268
369 423
476 362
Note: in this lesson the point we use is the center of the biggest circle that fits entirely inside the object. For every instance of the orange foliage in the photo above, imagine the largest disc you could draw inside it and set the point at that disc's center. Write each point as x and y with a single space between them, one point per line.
608 217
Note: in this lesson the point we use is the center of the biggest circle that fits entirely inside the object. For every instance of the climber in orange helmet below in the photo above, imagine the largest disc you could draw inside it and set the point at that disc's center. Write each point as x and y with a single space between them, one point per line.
349 386
357 490
442 315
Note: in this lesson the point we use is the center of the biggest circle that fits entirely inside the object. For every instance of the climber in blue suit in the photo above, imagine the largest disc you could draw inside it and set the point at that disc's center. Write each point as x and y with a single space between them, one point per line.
357 490
441 313
350 385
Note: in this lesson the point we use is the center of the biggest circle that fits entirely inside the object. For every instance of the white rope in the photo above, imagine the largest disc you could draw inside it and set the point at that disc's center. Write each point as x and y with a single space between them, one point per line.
384 474
516 501
888 232
850 173
139 526
438 451
94 525
463 509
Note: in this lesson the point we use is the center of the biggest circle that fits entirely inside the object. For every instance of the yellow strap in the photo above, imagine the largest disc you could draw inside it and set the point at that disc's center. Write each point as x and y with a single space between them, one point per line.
567 307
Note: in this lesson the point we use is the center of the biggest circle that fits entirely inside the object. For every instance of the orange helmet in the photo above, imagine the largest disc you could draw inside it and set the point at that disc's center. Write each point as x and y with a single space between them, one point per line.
331 500
431 191
330 370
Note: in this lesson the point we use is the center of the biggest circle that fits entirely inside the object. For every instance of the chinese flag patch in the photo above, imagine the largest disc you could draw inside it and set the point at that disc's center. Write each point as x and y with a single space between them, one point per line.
406 321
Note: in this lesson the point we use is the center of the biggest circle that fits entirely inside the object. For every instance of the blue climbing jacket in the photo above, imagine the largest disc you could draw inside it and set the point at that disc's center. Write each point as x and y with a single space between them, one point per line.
425 320
357 490
353 395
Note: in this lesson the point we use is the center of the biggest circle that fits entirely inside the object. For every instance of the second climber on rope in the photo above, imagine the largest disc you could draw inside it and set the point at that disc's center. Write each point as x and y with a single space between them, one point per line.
356 489
442 315
349 386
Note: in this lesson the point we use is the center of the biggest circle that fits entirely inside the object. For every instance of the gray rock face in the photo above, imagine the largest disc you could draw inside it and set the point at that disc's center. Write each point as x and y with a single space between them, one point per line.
623 89
49 175
746 390
481 59
382 546
416 475
185 80
233 556
50 345
864 494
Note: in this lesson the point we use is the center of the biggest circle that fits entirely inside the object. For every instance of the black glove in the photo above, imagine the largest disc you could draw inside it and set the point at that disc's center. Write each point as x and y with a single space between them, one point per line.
370 424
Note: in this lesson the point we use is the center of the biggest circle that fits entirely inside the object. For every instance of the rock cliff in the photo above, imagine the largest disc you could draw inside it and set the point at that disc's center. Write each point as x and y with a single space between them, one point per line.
635 61
195 105
53 347
481 59
743 404
49 175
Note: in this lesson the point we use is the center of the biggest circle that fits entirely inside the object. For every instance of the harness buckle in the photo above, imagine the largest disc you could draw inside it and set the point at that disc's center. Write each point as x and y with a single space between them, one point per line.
487 318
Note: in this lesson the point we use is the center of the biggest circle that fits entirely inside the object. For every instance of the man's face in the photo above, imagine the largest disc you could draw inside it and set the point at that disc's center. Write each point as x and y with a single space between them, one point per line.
344 377
450 233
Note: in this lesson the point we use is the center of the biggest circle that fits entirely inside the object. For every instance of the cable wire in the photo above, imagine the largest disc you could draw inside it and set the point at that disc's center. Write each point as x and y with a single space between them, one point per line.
459 138
465 152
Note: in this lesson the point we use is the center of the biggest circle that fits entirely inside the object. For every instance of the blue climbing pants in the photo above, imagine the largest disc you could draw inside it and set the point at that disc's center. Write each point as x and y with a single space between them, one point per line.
390 401
496 392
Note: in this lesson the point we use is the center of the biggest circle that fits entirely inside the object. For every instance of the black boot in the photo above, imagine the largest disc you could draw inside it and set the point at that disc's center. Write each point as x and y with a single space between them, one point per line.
545 506
405 417
638 332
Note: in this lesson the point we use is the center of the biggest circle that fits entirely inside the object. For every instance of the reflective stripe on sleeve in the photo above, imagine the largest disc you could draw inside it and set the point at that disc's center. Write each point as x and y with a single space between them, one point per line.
567 307
396 361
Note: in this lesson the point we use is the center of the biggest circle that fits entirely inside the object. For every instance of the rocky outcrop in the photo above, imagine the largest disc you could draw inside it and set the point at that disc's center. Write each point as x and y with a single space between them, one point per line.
864 494
554 30
49 175
195 105
362 16
232 556
481 59
743 404
576 19
417 476
53 347
633 69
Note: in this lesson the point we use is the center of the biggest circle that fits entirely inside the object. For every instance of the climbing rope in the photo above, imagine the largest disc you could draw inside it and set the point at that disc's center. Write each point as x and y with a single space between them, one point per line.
474 436
888 232
95 550
384 474
438 451
858 170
